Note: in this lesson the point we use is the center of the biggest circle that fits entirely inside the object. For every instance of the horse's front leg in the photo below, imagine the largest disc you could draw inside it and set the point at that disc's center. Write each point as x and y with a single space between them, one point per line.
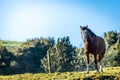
87 62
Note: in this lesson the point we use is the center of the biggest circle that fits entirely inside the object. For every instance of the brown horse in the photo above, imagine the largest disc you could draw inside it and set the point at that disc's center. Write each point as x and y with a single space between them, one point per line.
94 45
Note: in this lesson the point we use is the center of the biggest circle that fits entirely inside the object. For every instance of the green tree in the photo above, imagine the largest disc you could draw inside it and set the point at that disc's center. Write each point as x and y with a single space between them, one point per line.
79 61
110 38
61 56
6 58
31 52
112 56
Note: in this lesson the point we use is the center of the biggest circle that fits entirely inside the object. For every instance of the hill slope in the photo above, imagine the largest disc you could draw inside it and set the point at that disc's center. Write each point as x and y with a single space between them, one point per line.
111 73
10 44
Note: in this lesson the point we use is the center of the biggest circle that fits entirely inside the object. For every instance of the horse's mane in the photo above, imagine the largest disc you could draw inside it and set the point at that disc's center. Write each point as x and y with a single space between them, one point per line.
91 33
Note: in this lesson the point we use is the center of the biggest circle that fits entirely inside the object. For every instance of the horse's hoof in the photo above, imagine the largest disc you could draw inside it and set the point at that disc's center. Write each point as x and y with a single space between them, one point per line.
101 71
97 72
87 72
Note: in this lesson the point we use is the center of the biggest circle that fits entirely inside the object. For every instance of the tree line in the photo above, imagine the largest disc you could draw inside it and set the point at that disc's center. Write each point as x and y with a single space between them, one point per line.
45 55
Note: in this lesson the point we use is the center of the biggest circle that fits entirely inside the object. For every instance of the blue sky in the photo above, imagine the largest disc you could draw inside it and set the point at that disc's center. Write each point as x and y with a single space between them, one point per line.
23 19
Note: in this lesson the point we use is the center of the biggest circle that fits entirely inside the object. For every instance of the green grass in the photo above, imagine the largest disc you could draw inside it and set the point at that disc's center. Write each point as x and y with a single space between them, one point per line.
111 73
10 44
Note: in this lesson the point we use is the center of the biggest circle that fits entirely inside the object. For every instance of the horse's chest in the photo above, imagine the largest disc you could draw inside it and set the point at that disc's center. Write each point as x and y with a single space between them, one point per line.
89 48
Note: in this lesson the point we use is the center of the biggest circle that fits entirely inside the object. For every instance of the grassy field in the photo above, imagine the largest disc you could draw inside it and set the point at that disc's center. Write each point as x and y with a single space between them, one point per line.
10 44
111 73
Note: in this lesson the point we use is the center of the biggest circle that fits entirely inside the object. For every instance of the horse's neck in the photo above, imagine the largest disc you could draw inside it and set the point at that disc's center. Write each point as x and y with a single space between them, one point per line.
88 42
90 39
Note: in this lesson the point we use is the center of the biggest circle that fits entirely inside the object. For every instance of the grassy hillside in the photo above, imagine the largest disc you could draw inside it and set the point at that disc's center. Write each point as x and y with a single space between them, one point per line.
111 73
10 44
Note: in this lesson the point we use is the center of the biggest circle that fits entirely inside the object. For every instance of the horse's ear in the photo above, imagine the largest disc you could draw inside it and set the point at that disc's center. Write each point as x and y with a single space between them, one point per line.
80 27
86 26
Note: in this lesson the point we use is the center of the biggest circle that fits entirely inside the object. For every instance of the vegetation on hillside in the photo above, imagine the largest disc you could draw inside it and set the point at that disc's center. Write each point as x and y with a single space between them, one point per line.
45 55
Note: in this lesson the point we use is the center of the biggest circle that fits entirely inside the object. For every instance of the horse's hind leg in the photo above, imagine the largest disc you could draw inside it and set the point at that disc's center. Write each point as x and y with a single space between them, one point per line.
101 69
96 63
100 62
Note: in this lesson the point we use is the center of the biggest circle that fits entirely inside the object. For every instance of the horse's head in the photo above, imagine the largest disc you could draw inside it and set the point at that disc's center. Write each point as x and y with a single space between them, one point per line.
86 33
83 30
